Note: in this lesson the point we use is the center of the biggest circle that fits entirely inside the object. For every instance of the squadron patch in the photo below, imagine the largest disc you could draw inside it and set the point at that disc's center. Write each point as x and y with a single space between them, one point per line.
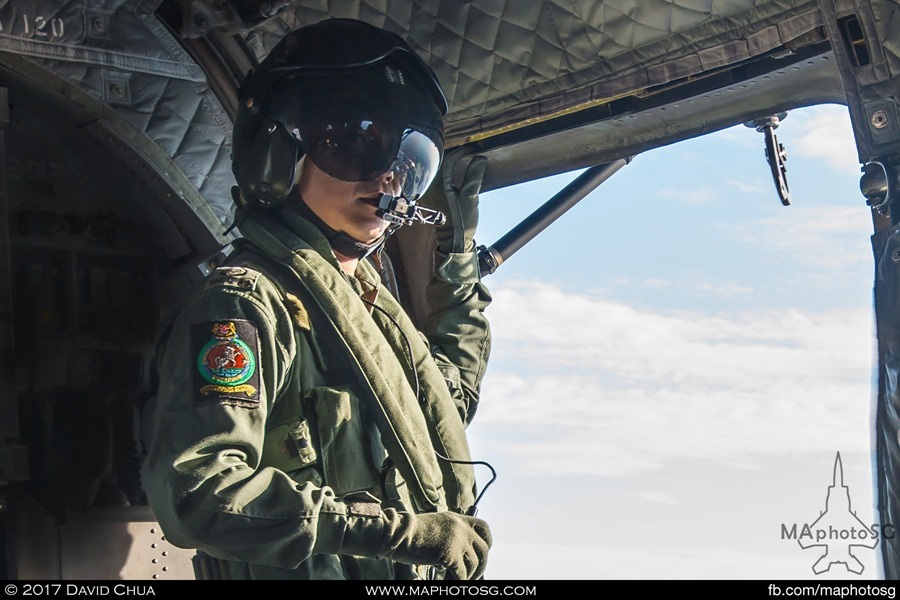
227 368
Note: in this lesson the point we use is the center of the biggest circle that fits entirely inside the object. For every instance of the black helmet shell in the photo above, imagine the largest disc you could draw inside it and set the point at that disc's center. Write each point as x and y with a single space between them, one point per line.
266 145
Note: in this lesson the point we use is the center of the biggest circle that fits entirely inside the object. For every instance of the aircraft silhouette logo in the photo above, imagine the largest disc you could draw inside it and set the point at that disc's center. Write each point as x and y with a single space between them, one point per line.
838 530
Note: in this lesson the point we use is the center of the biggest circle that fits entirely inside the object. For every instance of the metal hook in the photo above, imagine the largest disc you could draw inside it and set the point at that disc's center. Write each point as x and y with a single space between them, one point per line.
776 155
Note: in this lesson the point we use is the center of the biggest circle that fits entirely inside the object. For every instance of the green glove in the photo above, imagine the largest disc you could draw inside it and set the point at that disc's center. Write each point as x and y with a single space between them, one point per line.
459 205
449 540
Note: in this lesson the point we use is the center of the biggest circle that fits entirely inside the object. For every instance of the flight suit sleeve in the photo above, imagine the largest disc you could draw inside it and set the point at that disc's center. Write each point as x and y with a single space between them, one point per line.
457 329
222 365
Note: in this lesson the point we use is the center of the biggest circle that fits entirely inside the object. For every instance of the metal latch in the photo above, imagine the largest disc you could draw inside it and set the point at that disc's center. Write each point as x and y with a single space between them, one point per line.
776 155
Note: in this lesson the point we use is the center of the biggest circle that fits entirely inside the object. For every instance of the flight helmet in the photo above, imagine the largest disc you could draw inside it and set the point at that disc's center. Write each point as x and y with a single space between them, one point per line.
354 99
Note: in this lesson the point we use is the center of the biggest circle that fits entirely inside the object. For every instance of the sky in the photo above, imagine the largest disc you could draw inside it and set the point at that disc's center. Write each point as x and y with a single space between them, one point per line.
678 360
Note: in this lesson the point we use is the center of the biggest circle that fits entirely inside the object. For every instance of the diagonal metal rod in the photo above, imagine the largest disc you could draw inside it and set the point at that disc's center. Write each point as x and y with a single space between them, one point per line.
491 257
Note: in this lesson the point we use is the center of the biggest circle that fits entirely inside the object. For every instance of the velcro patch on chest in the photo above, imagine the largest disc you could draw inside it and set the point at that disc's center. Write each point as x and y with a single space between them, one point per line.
227 363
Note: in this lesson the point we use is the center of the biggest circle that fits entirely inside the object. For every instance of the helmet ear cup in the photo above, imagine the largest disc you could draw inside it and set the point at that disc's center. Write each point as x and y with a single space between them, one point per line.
264 159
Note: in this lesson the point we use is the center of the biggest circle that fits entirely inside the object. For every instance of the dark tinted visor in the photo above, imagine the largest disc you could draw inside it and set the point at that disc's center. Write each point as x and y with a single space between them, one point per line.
361 149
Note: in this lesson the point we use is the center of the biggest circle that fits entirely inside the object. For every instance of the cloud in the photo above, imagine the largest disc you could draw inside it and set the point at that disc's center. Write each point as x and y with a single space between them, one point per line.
747 187
588 385
656 497
821 132
721 289
561 561
828 237
743 136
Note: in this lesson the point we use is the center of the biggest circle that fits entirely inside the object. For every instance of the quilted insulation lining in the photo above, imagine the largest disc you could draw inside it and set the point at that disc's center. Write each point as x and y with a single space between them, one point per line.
501 62
504 62
133 65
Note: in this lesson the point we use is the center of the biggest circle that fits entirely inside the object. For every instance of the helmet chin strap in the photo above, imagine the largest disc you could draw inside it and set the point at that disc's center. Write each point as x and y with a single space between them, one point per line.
340 242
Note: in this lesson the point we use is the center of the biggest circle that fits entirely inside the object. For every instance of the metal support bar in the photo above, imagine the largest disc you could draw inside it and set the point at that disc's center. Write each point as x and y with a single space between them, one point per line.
490 258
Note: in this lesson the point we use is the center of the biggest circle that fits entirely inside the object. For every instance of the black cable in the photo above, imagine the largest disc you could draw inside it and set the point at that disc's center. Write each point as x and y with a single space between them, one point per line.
412 361
474 508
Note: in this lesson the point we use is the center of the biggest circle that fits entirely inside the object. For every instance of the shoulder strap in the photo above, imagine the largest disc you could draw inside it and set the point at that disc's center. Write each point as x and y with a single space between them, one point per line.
248 254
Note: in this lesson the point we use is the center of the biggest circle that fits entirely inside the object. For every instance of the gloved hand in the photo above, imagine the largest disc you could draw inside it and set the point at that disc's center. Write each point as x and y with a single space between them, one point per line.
459 205
449 540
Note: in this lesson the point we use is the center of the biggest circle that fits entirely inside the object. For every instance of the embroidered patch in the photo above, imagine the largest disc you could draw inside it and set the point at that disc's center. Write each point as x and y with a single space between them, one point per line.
240 278
364 509
227 368
298 312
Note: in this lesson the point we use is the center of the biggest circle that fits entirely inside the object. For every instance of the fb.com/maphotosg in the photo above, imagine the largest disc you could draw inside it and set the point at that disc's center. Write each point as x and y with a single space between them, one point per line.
834 591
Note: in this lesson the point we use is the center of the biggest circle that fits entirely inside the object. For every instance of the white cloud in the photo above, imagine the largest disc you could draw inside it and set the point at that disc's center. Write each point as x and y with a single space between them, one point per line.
830 237
690 286
603 388
566 562
817 132
821 132
655 497
741 135
747 187
721 289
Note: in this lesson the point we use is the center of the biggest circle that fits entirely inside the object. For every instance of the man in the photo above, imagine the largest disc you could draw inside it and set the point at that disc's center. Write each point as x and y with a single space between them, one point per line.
303 428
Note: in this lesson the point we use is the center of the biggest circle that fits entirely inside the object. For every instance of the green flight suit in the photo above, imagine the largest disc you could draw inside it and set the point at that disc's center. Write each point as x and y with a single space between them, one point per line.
273 439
